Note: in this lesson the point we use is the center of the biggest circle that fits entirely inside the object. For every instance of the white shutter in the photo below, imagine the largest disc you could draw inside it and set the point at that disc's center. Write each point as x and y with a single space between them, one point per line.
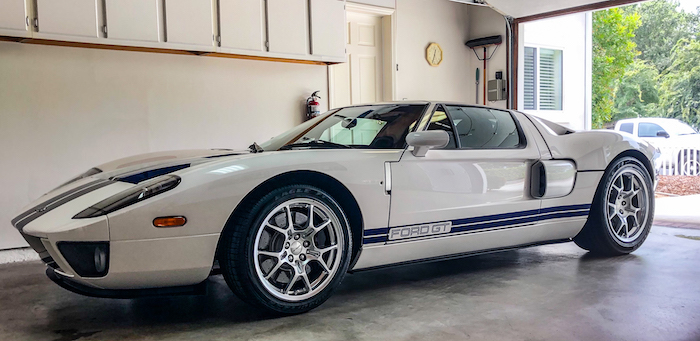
529 83
550 79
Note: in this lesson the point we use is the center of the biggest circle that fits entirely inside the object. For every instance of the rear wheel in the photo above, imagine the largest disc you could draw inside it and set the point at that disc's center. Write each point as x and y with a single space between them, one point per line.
289 251
622 212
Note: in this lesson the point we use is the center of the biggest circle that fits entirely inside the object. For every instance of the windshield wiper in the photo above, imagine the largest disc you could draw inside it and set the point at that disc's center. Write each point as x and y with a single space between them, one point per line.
255 148
316 143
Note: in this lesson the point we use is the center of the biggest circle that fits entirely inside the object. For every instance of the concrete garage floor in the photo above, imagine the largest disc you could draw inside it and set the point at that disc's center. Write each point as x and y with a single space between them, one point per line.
554 292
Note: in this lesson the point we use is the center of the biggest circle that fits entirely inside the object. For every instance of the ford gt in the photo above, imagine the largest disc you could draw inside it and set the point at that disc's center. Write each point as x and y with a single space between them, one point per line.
357 188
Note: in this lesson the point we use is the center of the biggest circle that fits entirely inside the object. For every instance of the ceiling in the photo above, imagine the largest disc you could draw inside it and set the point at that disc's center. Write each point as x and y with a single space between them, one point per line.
525 8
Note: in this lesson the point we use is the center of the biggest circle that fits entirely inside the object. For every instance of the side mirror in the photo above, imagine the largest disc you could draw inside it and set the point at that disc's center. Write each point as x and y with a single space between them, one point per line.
423 141
662 133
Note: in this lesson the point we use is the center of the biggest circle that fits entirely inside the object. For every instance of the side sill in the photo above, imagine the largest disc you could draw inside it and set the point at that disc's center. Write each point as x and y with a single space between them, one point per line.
462 255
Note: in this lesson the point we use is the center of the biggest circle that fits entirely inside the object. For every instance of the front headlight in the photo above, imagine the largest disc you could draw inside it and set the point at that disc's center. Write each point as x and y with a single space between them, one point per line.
129 197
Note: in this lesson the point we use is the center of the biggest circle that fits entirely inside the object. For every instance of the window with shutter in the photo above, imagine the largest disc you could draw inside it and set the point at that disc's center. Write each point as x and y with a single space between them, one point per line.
530 81
542 79
550 79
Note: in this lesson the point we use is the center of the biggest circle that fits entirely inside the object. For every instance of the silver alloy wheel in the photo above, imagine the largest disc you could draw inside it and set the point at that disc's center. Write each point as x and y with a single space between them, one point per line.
627 205
298 249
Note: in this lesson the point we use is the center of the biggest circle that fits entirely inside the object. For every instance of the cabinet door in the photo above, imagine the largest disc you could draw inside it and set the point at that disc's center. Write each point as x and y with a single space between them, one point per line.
241 24
132 19
189 22
287 26
13 17
328 28
68 17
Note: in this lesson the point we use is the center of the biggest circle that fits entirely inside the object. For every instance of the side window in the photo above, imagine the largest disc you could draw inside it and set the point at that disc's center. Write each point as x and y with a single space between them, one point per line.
440 121
627 127
482 128
647 129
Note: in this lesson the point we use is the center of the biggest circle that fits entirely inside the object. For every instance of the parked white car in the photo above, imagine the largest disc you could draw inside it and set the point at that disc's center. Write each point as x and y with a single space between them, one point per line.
678 142
356 188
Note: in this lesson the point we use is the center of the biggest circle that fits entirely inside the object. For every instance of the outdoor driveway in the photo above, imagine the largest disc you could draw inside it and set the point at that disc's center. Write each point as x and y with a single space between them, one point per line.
554 292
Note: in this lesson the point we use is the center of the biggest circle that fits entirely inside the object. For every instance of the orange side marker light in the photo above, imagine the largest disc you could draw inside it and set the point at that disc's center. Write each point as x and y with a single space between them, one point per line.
169 221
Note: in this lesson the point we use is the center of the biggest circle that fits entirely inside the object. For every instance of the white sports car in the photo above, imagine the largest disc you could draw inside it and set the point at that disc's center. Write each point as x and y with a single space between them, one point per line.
356 188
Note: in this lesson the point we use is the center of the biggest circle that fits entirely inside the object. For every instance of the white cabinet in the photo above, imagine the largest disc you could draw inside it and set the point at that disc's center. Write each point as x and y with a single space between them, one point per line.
328 25
190 22
287 26
135 20
13 18
313 30
68 17
242 24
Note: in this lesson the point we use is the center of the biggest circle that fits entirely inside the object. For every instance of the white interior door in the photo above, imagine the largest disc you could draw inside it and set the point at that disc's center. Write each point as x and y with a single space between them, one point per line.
360 79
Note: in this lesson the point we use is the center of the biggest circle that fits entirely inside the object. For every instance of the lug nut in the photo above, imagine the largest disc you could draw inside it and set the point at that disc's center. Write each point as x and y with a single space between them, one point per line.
291 258
296 236
302 257
286 245
306 243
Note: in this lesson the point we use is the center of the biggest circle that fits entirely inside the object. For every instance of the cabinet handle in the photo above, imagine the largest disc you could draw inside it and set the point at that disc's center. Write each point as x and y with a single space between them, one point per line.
26 20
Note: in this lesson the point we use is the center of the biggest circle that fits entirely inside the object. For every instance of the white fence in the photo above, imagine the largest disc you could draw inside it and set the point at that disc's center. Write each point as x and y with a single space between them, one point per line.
678 161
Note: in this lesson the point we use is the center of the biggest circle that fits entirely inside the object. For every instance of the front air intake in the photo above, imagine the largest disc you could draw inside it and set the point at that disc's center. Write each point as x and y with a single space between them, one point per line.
89 259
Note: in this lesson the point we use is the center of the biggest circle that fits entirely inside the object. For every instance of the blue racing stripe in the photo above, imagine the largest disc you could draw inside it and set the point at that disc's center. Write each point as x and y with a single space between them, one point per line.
374 232
487 222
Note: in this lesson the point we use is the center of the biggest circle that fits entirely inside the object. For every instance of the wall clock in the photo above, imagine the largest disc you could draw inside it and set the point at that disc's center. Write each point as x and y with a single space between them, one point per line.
434 54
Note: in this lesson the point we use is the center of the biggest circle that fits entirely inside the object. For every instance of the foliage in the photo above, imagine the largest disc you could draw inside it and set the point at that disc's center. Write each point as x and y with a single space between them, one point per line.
613 51
680 85
663 25
637 95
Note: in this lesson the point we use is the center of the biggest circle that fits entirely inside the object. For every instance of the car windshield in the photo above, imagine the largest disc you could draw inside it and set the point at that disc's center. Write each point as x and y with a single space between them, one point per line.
367 127
676 127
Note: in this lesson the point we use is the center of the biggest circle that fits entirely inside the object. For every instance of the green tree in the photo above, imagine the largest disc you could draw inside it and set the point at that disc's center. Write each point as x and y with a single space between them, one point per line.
680 83
663 24
637 95
613 51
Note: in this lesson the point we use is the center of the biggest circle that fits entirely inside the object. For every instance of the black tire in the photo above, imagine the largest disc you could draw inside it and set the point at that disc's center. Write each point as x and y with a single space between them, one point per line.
237 245
597 235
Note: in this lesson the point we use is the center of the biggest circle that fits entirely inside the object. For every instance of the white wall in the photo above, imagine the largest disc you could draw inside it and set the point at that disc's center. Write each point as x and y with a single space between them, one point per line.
485 22
568 33
419 23
64 110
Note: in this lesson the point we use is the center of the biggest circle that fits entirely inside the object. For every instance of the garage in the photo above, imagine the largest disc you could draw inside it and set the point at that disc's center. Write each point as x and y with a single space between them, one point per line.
360 148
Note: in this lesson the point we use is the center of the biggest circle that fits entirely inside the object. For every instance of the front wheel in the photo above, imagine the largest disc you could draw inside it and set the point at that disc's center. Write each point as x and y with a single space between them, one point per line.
289 252
622 212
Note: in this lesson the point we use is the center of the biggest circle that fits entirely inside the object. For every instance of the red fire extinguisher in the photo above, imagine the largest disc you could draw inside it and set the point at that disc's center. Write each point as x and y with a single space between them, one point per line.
312 105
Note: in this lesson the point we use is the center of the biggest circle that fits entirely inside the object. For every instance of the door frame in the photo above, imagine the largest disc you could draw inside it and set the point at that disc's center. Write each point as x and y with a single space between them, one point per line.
388 16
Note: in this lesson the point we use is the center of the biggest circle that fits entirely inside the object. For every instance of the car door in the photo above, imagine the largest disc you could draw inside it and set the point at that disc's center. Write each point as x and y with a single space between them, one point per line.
462 197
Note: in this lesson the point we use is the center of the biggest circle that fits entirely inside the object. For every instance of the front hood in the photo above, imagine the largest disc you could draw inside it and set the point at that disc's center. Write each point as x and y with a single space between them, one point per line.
167 157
